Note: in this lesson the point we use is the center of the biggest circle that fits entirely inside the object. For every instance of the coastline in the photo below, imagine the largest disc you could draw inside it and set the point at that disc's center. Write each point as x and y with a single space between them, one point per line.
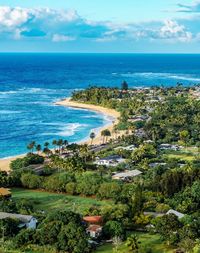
5 162
106 111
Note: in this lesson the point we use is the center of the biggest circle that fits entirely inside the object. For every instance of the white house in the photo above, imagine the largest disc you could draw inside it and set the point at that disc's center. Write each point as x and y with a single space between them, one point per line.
169 147
27 221
94 231
113 160
179 215
128 148
127 175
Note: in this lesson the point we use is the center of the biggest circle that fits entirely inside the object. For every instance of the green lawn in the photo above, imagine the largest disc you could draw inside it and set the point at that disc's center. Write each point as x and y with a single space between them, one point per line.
50 201
146 240
186 154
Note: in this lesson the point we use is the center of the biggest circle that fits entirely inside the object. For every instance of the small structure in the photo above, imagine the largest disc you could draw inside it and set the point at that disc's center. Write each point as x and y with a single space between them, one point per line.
94 228
112 160
127 175
153 165
140 133
5 193
128 148
94 231
179 215
27 221
169 147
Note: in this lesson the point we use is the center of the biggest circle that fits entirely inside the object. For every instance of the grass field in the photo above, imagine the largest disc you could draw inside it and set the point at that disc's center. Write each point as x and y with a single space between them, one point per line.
147 241
50 201
187 154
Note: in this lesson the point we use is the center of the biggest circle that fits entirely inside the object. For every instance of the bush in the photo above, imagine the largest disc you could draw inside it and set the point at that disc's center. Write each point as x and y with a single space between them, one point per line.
31 181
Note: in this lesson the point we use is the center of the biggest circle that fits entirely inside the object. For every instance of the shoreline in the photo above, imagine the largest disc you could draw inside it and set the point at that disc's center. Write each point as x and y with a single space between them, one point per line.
5 162
106 111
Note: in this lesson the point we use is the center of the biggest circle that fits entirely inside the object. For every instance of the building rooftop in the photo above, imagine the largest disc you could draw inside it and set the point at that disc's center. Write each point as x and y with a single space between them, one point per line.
131 173
5 192
93 219
21 217
179 215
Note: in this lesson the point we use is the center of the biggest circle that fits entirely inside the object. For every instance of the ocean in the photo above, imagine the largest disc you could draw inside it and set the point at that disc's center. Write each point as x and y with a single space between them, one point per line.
31 83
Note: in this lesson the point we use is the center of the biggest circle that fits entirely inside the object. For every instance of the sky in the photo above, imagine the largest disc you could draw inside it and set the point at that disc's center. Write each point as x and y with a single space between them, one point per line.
100 26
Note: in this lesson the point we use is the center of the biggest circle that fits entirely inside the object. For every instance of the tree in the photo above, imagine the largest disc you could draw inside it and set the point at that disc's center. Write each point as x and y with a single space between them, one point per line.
31 146
38 148
54 143
105 133
73 239
124 85
9 227
92 136
167 226
113 229
132 244
31 181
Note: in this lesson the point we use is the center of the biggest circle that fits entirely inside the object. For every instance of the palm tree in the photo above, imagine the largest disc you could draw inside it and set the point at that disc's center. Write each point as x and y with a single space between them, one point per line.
31 146
133 244
38 148
60 143
105 133
92 136
54 142
46 145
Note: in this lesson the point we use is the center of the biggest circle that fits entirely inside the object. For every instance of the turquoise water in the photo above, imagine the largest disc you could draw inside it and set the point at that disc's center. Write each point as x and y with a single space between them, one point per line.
31 83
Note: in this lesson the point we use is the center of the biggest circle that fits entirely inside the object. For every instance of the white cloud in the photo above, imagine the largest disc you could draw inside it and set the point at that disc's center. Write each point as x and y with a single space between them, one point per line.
62 38
67 25
172 30
13 17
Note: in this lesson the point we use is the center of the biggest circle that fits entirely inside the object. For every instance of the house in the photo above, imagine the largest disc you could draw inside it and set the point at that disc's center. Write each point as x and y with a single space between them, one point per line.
94 231
93 219
169 147
5 193
27 221
94 228
140 133
179 215
127 175
128 148
139 118
112 160
153 165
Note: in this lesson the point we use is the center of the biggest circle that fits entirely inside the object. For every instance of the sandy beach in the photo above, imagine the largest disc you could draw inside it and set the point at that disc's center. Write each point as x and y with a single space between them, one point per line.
109 112
4 163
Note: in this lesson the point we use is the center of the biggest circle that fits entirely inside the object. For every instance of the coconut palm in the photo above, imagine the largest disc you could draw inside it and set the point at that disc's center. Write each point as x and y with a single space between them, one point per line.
105 133
31 146
38 148
92 136
54 143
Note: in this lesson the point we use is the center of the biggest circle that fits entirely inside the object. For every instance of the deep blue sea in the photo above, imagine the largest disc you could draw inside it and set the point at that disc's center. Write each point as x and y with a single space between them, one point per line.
31 83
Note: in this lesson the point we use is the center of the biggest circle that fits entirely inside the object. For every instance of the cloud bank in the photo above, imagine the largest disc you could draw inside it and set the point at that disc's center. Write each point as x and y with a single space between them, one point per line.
67 26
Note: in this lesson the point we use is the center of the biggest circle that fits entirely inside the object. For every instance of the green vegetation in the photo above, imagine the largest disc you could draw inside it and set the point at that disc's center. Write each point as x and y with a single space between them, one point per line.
147 242
50 201
157 134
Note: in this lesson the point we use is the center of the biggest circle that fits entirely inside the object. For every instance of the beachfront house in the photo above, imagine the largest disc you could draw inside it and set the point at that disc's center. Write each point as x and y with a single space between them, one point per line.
139 118
26 221
112 160
127 175
127 148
